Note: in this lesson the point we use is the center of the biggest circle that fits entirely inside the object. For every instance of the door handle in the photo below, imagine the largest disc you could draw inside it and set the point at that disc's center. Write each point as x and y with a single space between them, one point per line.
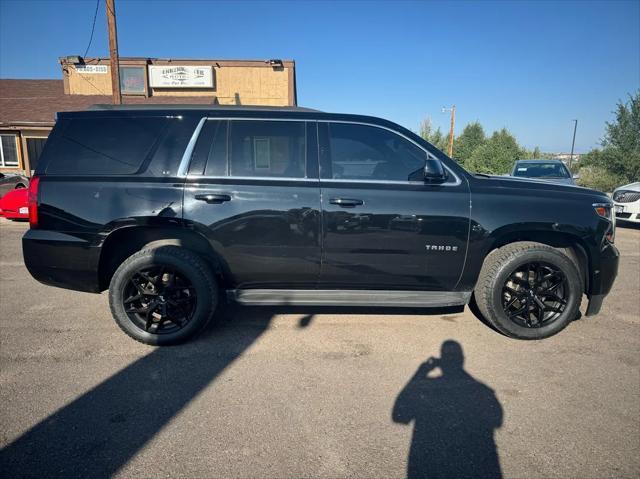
346 202
213 199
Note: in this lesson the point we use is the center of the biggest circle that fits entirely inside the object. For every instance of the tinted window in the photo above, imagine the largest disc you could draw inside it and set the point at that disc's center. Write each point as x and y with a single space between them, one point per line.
210 153
541 170
168 154
109 146
267 148
360 152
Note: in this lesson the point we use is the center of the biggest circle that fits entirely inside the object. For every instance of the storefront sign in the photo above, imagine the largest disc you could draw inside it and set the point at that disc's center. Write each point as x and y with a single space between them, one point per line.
180 76
91 68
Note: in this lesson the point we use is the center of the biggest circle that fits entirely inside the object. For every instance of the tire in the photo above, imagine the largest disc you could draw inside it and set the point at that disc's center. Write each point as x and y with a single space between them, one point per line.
512 279
183 288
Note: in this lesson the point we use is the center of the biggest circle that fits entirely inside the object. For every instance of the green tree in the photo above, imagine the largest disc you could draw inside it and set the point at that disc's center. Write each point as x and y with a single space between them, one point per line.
469 140
496 155
435 137
620 152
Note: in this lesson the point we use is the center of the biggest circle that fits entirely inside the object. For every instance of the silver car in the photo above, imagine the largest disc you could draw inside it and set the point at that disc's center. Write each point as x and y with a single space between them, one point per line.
549 170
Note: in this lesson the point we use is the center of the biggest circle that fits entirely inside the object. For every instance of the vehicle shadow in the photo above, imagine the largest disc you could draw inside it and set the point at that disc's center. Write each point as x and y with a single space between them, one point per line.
454 418
99 432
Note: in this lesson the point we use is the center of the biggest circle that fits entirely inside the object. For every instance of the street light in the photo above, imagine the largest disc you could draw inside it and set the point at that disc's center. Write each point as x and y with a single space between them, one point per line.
573 142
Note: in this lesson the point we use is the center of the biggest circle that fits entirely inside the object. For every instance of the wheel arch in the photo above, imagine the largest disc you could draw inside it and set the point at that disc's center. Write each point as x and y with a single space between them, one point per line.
123 242
568 243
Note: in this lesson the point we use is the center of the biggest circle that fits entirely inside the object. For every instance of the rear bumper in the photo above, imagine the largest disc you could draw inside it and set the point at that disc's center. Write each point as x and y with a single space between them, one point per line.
61 260
603 275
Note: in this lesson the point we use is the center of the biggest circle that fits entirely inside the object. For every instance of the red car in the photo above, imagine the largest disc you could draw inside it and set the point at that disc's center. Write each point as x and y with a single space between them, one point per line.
14 205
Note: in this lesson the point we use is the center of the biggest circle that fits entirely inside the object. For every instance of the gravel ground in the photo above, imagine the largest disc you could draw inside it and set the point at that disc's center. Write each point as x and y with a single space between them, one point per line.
314 392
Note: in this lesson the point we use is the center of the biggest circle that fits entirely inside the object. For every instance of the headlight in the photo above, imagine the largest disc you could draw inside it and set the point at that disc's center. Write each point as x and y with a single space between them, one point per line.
605 210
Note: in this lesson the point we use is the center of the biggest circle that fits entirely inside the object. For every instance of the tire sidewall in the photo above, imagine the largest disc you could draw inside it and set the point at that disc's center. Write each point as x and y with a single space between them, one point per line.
573 284
206 300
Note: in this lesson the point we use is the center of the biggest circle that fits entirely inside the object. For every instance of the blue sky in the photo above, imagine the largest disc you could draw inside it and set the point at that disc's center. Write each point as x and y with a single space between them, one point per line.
529 66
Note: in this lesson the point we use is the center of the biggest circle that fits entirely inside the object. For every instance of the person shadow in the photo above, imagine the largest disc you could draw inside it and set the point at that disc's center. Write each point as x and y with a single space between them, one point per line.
454 418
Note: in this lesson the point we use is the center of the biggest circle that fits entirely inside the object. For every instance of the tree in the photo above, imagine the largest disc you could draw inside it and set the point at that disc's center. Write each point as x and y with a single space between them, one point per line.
469 140
436 138
496 155
620 153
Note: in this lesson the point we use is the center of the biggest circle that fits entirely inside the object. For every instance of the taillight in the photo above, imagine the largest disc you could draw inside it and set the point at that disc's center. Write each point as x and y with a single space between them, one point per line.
32 197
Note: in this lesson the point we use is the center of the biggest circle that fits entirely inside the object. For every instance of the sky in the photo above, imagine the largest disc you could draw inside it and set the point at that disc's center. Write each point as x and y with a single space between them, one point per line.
529 66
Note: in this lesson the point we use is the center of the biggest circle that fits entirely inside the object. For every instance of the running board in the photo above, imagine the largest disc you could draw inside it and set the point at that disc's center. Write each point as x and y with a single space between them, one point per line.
341 297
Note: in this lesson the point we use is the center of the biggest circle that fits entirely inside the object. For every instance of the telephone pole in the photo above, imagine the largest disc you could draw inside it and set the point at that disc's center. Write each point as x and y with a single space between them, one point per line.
113 51
573 143
451 130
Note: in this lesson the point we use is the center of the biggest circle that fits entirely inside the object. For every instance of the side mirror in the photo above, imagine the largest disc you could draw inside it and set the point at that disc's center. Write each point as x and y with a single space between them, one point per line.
434 171
576 176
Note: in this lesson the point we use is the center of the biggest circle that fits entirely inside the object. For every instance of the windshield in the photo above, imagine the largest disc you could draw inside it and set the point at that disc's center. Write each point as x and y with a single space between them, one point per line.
541 170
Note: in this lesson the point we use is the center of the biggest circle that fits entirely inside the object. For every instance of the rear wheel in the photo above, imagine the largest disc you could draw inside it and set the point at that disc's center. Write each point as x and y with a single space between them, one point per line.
163 296
528 290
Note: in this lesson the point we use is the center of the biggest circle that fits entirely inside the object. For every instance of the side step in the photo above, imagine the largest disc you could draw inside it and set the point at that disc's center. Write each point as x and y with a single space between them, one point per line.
341 297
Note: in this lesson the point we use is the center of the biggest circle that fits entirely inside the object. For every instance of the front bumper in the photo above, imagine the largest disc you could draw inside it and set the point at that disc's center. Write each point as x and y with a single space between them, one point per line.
61 260
603 274
627 211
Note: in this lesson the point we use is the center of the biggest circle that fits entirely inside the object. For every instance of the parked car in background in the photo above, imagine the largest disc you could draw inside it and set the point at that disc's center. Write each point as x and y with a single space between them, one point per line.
626 201
549 170
15 204
11 181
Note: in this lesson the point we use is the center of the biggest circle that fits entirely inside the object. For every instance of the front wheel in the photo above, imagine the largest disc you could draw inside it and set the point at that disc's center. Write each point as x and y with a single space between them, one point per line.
528 290
163 296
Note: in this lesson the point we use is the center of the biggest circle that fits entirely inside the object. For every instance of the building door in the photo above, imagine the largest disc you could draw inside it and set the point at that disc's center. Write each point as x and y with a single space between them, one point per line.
250 191
34 150
383 226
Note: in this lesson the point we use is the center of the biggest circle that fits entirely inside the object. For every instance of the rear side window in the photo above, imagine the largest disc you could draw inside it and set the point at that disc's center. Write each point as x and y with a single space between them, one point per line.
267 149
210 152
103 146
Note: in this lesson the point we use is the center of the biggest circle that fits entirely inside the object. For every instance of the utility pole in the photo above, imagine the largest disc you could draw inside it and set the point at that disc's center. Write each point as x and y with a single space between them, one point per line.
451 130
113 51
575 127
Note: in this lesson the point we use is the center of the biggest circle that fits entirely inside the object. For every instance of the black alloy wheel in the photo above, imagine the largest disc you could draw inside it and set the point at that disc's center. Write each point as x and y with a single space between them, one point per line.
529 290
535 294
163 295
159 299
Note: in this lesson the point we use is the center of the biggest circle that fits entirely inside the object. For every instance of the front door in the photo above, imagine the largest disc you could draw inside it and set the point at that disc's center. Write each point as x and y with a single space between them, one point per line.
251 191
383 227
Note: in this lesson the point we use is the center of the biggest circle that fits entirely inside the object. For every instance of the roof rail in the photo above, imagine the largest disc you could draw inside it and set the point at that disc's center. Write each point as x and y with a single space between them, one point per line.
191 106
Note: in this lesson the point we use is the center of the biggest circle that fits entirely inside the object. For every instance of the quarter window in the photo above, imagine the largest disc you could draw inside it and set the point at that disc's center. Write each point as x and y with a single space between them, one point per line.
8 151
362 152
267 149
103 146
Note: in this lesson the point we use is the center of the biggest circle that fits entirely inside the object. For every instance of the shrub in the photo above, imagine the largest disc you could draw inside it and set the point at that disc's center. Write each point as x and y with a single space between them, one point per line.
599 178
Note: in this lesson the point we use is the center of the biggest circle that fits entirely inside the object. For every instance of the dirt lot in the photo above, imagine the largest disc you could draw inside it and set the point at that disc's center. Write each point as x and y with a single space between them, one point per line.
314 392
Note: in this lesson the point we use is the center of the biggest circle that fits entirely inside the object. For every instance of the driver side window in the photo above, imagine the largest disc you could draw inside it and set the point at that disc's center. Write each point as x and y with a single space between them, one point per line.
362 152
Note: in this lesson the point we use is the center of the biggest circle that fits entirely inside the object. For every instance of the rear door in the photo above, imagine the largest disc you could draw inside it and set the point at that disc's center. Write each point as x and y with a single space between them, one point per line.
384 228
253 190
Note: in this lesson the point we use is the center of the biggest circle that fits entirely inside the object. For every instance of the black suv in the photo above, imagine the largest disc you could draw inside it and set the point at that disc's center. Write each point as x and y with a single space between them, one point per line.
175 209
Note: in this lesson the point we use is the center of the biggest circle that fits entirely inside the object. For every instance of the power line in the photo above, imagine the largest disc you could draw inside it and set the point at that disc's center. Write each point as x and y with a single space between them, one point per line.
93 27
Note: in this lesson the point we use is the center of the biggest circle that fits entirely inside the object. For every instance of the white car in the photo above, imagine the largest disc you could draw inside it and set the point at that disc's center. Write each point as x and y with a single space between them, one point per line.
626 201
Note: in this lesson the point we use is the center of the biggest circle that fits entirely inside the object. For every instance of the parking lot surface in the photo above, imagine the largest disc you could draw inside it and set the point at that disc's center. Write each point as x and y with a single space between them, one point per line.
314 392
